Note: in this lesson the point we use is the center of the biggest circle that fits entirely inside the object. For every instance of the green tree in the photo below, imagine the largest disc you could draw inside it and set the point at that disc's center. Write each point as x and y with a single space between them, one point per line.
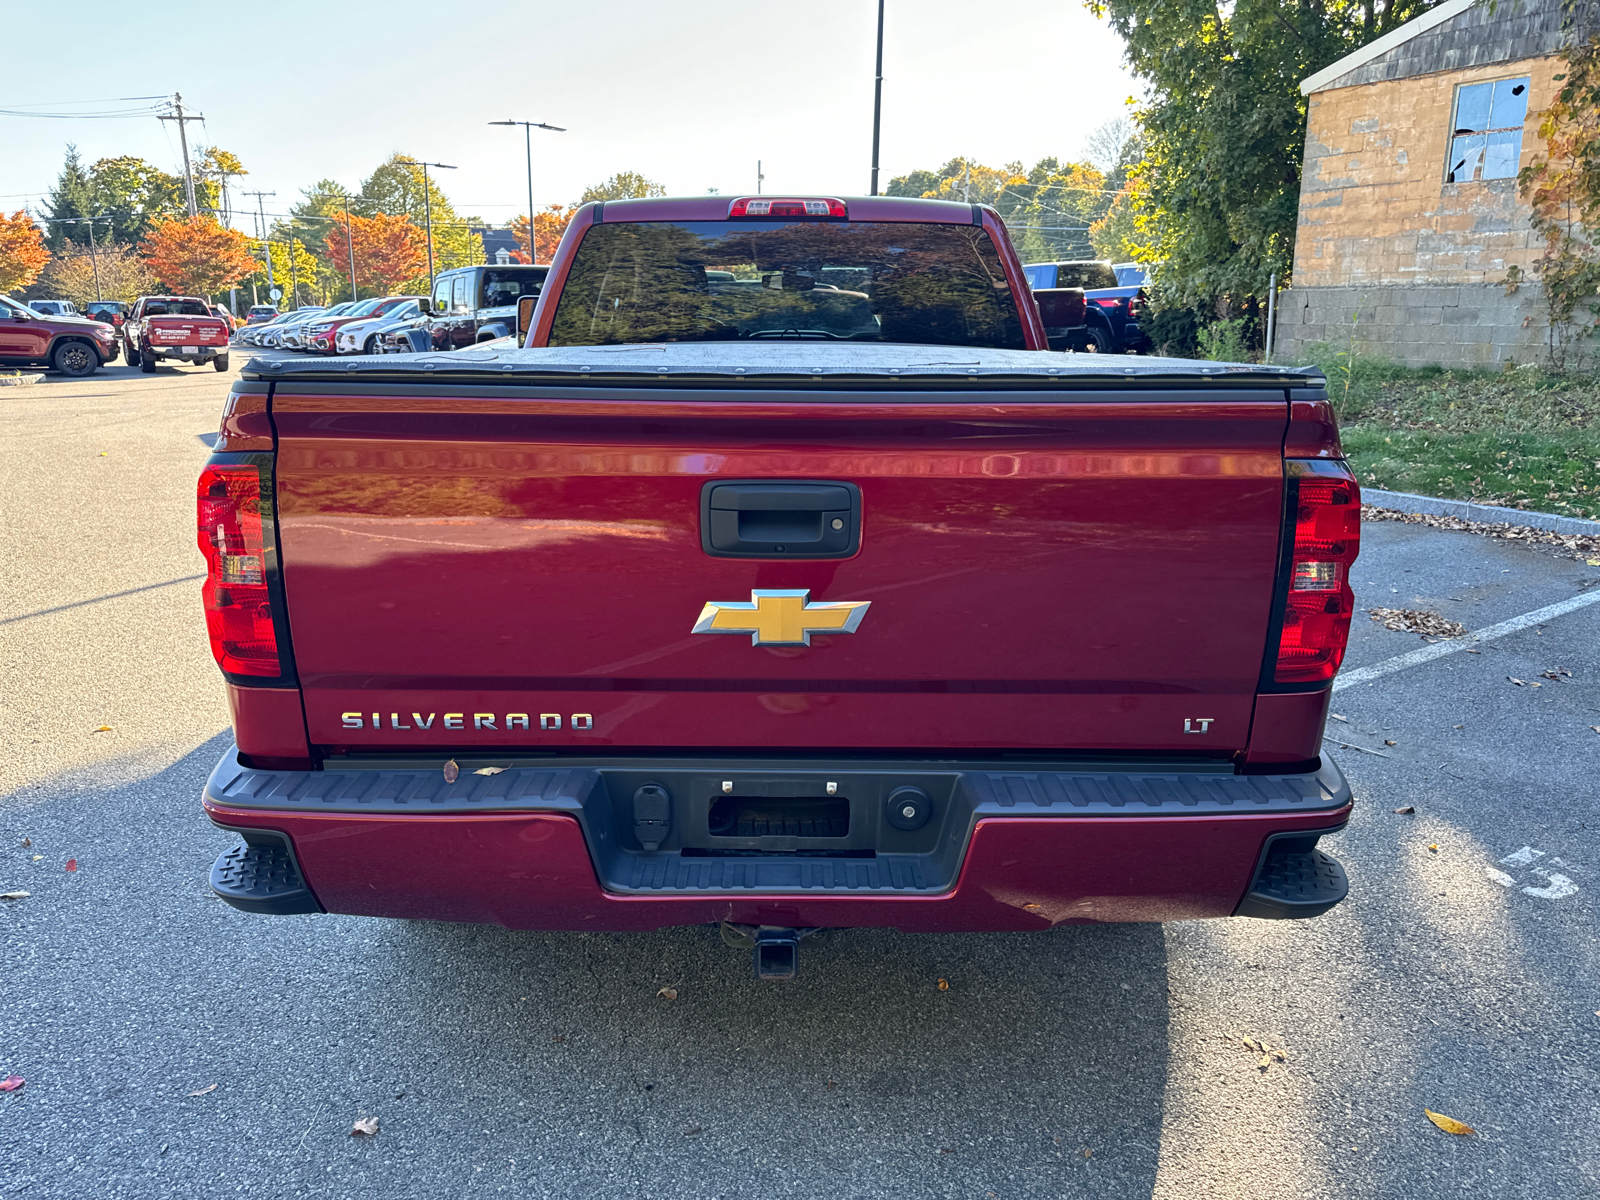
624 185
1223 129
134 195
70 199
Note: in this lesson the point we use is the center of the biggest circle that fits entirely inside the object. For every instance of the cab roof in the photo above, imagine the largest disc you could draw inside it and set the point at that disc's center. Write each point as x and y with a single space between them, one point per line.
861 208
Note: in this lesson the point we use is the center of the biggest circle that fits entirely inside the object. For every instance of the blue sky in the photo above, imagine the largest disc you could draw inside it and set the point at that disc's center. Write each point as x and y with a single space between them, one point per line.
691 93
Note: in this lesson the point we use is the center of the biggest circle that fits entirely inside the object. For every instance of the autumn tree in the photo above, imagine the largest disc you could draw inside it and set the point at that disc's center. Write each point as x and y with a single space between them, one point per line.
388 250
22 251
548 228
1048 209
122 274
197 256
1562 187
624 185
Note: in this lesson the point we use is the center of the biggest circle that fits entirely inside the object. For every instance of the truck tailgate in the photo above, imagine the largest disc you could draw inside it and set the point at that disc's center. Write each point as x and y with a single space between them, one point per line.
1091 572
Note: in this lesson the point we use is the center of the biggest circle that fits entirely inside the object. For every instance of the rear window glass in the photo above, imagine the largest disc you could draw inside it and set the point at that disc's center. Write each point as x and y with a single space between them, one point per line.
502 288
682 281
1085 275
176 308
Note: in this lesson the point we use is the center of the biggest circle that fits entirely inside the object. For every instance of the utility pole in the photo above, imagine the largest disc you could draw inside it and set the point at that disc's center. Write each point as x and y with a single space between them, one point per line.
183 120
759 177
527 136
261 218
877 101
93 260
294 284
350 244
427 207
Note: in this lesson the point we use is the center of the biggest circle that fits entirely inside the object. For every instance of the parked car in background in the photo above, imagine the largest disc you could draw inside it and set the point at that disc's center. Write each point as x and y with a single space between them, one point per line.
413 336
1130 274
364 335
322 336
477 304
70 344
218 311
112 312
1121 306
255 335
289 331
54 308
295 336
259 313
174 327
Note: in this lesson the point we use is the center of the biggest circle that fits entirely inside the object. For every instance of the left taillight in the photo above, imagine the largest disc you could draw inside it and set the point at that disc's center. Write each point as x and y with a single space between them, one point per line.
1324 539
233 533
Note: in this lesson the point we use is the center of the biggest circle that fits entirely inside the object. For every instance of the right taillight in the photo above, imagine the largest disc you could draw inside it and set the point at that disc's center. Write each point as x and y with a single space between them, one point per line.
1318 602
237 602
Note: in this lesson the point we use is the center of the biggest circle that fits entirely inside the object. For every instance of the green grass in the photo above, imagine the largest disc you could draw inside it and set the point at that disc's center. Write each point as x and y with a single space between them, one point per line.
1526 438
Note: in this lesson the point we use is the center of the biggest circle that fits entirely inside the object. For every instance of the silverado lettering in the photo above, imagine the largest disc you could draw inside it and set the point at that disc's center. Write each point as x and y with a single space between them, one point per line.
779 414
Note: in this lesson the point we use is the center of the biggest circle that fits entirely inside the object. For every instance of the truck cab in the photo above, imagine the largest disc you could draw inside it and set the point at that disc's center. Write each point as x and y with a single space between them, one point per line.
478 304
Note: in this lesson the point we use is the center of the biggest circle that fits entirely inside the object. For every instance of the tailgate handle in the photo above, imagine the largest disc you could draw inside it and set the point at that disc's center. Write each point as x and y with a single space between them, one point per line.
773 519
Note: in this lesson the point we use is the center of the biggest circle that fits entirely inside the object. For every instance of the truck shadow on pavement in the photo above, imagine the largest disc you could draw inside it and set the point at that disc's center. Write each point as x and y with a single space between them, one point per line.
539 1063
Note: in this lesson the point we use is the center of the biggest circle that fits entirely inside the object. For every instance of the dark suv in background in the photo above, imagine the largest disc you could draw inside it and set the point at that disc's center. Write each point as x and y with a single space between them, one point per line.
1115 296
479 304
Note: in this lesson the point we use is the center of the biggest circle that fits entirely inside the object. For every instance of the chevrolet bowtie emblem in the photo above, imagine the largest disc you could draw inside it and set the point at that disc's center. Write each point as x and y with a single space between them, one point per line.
780 617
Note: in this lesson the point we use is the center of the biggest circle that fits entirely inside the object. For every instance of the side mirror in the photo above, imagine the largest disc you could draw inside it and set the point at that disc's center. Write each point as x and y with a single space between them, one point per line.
525 307
425 305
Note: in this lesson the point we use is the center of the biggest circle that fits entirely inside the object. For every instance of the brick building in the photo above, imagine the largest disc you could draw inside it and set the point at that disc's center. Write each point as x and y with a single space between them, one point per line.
1409 213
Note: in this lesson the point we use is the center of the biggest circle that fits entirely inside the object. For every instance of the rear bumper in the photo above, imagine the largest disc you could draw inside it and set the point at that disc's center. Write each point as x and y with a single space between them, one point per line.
550 846
201 354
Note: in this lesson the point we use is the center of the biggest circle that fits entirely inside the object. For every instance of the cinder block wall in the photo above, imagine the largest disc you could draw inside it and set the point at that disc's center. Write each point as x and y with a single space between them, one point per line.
1470 325
1380 231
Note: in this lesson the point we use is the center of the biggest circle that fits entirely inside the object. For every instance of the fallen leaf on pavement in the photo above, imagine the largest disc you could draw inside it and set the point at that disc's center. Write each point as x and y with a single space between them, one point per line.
38 858
103 729
1406 808
692 1131
944 985
1433 847
667 994
488 770
451 771
1417 620
14 895
1596 728
1088 1153
1449 1124
1337 717
365 1127
834 1083
1390 742
27 841
204 1090
1251 1044
1280 1055
946 1150
11 1083
72 864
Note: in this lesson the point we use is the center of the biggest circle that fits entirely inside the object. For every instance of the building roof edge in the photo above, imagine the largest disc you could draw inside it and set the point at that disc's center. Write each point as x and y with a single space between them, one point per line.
1395 37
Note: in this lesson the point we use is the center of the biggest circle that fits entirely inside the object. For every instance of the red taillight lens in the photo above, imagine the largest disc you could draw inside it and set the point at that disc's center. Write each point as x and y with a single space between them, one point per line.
1113 302
232 537
751 206
1319 604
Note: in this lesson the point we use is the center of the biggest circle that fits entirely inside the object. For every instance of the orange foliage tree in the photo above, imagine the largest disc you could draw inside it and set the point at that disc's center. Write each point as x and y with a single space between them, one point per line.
22 251
197 256
389 250
548 226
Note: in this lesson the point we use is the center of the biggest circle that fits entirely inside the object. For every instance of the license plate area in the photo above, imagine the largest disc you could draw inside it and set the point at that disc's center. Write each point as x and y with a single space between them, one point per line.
779 816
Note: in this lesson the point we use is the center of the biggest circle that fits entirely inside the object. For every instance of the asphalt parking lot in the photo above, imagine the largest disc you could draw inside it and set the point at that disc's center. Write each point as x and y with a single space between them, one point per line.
173 1046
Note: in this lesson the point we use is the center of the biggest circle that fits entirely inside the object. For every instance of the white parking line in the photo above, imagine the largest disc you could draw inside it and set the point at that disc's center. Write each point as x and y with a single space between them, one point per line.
1439 649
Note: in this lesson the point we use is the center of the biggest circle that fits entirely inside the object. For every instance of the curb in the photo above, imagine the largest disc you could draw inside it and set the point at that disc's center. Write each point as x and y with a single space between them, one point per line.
1488 513
19 380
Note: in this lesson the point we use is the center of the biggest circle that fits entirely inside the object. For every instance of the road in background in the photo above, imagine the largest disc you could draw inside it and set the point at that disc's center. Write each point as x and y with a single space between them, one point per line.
1108 1061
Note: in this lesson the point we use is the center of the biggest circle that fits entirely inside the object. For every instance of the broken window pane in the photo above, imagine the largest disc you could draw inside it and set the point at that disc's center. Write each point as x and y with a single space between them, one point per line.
1502 154
1472 108
1510 107
1466 156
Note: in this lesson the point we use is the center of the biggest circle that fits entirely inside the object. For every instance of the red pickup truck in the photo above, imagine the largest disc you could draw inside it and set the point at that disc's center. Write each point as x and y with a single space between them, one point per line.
177 327
784 580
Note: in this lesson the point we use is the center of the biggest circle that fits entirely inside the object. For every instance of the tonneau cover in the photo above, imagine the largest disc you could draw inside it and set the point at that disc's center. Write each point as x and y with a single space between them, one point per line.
791 364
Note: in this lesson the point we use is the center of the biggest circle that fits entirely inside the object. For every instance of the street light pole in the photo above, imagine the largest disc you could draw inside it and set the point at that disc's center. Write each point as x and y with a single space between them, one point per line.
94 261
527 136
427 207
877 101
